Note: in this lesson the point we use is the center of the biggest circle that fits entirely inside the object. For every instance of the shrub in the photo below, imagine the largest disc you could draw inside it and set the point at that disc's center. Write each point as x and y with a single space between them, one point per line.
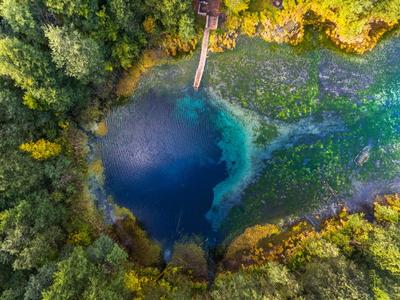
191 259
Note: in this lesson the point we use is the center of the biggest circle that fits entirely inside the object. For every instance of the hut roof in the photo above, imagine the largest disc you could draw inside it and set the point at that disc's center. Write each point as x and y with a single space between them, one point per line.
208 7
213 7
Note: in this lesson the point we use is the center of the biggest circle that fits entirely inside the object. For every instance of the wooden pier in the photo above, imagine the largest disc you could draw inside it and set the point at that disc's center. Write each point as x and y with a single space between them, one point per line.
203 58
210 9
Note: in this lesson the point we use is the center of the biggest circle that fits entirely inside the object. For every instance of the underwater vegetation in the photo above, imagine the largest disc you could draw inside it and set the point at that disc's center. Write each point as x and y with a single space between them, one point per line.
291 88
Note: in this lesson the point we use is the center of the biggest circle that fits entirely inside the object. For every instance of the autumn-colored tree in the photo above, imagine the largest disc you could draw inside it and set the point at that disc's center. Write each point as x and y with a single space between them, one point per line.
249 240
41 149
149 24
174 45
249 24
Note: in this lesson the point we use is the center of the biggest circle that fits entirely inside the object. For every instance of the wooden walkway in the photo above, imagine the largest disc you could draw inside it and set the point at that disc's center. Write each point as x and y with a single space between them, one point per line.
211 24
203 58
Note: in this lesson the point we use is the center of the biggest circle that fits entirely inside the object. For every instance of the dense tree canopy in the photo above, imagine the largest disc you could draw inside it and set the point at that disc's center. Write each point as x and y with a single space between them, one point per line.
78 56
59 60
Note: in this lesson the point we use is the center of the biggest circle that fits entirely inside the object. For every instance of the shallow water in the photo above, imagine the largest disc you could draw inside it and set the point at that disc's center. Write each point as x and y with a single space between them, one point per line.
307 86
181 160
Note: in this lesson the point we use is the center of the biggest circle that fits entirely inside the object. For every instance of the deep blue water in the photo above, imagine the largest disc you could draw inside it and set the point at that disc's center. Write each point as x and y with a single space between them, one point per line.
162 161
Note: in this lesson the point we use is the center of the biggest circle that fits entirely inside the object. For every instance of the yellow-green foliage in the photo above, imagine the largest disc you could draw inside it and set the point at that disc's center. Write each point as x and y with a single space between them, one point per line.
250 239
353 25
249 24
96 169
133 282
286 244
313 248
86 222
358 24
174 45
233 23
101 129
123 212
268 281
222 41
30 101
130 79
225 40
41 149
384 213
387 208
80 237
149 24
341 234
383 249
237 6
346 231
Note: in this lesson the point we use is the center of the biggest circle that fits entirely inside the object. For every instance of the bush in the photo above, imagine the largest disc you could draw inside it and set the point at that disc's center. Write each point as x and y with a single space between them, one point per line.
190 258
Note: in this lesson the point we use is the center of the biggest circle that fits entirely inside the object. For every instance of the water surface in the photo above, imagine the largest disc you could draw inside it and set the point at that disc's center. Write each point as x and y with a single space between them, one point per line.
163 156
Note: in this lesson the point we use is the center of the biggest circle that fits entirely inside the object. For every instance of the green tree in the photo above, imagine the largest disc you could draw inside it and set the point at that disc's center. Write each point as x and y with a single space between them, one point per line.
107 253
237 6
30 232
334 278
12 282
39 282
97 273
22 17
80 13
270 281
125 52
72 7
80 57
383 249
186 29
175 16
126 14
71 277
31 69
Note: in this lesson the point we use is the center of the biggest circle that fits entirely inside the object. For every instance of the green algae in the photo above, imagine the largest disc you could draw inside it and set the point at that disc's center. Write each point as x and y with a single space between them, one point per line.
361 92
264 134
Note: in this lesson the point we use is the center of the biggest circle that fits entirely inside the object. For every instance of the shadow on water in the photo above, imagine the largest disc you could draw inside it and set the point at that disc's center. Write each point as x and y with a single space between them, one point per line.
162 161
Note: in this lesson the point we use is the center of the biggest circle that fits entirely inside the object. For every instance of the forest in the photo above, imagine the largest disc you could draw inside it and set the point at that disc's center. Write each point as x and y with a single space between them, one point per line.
64 64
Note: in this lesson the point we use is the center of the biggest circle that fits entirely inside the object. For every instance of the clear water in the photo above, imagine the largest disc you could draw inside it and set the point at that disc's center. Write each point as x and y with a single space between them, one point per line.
181 160
163 156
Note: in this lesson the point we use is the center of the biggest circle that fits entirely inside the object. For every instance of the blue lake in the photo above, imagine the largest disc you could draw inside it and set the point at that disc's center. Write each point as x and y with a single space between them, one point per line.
162 158
180 160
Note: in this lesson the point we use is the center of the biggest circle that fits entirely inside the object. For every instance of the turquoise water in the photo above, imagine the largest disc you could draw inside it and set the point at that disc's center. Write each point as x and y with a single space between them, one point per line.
322 106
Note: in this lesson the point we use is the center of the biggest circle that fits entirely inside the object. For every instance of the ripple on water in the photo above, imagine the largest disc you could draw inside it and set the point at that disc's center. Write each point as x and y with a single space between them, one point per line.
164 155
